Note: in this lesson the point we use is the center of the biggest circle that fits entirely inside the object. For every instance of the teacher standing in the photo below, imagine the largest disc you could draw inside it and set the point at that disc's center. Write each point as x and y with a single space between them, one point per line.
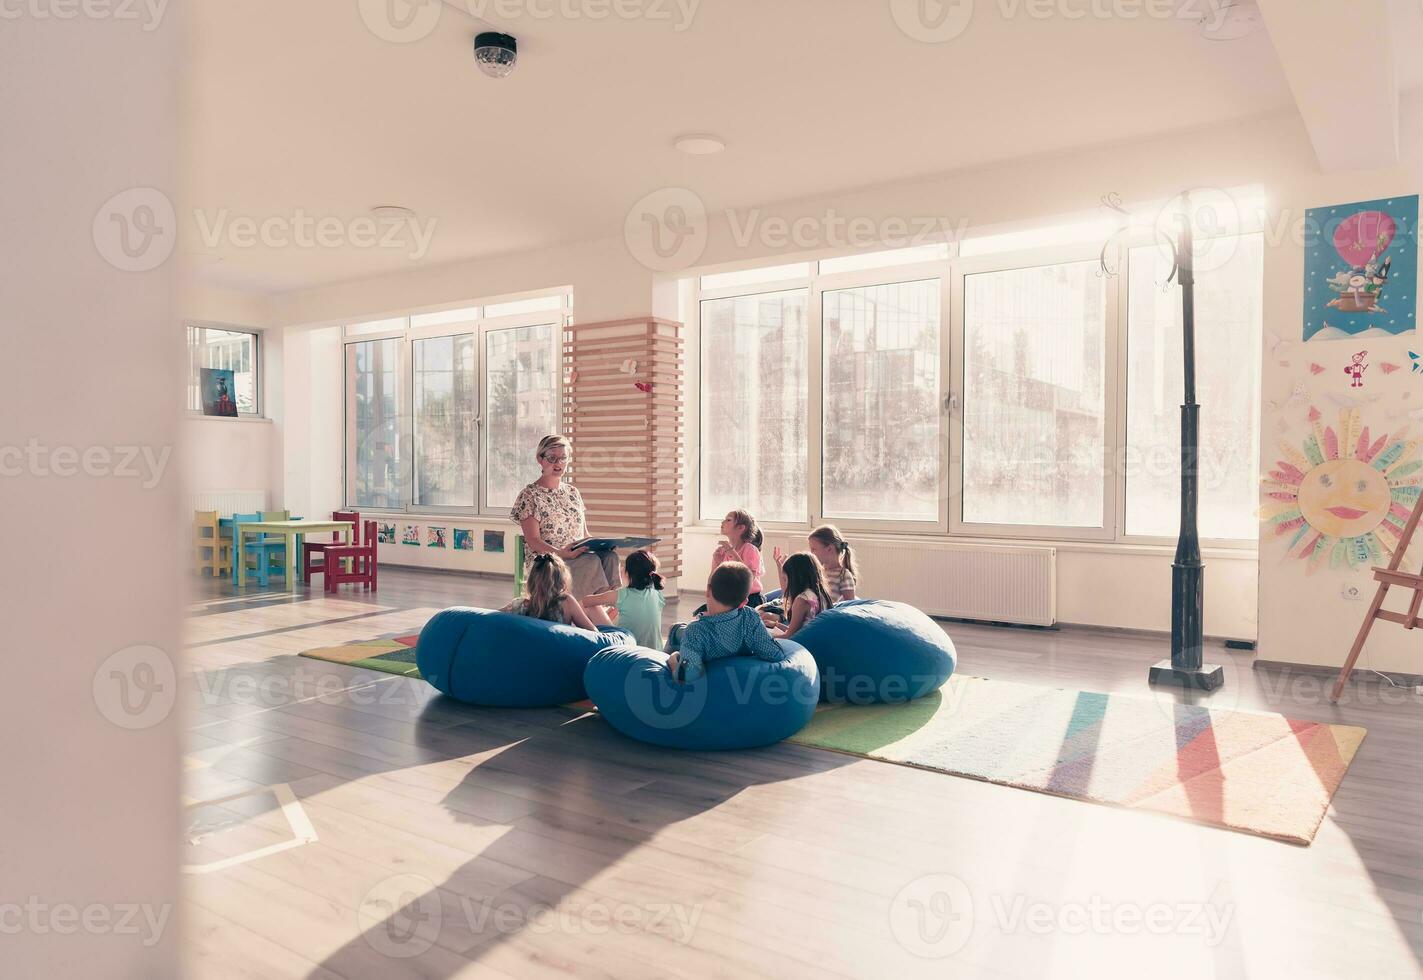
552 516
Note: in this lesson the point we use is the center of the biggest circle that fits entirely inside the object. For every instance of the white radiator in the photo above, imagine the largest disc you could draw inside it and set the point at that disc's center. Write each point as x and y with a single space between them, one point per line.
229 502
987 582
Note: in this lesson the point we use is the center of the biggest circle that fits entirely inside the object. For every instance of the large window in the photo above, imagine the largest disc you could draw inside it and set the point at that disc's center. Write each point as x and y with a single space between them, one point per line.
373 428
1020 392
226 350
521 405
446 416
1229 301
881 428
755 356
1034 413
443 410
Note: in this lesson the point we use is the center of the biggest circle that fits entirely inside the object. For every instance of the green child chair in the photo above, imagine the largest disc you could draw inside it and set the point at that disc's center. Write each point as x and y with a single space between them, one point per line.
518 565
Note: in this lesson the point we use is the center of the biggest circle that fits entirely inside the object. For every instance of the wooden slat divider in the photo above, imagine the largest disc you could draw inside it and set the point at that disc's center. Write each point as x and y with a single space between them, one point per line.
628 443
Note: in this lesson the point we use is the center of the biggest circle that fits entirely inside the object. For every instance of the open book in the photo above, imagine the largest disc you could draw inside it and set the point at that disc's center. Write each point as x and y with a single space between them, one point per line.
611 544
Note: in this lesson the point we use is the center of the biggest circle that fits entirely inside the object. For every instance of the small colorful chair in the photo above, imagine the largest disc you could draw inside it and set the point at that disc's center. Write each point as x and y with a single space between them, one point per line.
518 566
211 550
353 562
310 549
260 553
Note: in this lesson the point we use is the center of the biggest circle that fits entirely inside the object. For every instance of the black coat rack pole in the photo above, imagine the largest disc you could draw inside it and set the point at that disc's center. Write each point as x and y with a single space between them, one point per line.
1187 664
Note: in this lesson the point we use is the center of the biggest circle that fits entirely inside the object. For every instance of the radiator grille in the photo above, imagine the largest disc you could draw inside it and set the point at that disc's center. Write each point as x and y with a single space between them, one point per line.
963 581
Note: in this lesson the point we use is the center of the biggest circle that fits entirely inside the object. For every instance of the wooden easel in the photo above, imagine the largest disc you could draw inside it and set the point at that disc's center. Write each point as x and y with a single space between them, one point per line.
1387 577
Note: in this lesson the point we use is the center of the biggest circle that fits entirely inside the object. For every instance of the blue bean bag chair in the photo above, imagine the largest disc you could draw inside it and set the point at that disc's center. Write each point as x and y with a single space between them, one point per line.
740 703
501 660
874 651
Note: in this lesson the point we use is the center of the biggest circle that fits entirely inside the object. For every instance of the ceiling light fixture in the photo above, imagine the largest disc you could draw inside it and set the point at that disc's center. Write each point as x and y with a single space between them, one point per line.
392 212
1230 20
496 53
699 144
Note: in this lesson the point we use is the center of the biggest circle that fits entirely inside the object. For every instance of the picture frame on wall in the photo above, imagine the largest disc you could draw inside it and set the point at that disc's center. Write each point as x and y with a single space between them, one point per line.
219 392
1361 269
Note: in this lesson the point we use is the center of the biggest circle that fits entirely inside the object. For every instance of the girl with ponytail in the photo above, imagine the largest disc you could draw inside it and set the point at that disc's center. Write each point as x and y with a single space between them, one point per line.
546 594
836 557
638 604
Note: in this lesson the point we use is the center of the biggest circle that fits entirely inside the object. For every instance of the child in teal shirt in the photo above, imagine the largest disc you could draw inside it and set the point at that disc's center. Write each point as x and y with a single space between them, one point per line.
639 603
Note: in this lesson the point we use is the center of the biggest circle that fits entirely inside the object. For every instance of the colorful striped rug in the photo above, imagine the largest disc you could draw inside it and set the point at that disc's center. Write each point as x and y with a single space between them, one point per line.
393 654
1249 771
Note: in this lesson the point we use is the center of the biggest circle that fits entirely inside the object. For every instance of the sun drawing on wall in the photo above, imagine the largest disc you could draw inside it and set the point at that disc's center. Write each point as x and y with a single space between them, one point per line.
1345 498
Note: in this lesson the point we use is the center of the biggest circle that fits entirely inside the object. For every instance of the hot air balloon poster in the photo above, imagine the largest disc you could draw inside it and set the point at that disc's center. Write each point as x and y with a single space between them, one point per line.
1361 269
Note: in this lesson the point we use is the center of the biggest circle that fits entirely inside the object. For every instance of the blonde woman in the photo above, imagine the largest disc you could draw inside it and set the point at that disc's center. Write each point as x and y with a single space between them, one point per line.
552 517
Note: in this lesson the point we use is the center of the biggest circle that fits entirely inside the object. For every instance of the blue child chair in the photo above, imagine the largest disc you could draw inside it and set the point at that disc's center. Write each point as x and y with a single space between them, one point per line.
259 551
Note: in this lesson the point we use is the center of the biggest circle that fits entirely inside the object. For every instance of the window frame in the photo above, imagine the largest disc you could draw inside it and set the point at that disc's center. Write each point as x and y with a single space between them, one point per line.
1033 259
257 373
1142 240
478 328
951 272
816 286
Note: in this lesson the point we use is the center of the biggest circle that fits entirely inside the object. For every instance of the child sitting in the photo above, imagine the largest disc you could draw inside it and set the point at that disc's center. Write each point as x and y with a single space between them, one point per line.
807 592
728 629
742 544
639 602
836 558
546 595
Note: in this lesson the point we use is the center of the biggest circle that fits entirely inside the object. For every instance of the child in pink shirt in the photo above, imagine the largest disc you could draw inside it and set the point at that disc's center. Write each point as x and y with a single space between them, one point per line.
743 544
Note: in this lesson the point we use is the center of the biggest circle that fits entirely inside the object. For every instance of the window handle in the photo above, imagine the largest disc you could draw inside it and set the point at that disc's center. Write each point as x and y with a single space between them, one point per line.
951 403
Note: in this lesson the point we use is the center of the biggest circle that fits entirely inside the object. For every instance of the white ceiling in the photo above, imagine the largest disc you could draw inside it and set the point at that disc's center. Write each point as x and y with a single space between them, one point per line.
296 105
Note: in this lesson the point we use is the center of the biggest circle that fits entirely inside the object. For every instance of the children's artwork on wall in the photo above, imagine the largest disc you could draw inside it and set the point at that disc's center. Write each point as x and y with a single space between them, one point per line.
1344 497
1355 369
219 392
464 539
1316 368
1361 269
385 533
1388 368
410 535
437 537
1417 364
494 541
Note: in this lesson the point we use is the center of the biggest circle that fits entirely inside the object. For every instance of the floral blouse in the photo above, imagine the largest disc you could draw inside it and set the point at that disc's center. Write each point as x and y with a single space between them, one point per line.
559 512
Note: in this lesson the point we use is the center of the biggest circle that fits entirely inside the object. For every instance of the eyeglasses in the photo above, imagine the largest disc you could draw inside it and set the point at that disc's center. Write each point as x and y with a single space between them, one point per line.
557 459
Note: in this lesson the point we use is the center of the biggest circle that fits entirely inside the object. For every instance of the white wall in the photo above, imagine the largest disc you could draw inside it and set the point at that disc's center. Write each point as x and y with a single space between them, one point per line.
1127 587
221 455
1097 585
92 577
1304 617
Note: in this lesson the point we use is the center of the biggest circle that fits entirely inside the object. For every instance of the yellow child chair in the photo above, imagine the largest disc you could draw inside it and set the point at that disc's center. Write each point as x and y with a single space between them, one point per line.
211 551
277 543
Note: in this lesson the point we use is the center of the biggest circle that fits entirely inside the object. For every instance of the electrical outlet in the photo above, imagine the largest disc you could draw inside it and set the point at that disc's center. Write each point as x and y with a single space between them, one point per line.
1352 591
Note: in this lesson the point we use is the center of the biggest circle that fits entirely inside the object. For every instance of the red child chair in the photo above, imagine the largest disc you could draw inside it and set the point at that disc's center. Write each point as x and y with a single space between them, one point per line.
352 562
312 548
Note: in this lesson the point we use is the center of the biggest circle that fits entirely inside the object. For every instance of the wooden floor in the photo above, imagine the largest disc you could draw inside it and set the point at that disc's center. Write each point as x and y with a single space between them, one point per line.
456 841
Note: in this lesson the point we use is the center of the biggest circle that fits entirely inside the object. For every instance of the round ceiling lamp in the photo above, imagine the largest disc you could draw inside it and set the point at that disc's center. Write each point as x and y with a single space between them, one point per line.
699 144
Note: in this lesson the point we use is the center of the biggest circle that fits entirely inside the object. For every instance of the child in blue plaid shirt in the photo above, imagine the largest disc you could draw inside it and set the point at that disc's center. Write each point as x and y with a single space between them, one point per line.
728 629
